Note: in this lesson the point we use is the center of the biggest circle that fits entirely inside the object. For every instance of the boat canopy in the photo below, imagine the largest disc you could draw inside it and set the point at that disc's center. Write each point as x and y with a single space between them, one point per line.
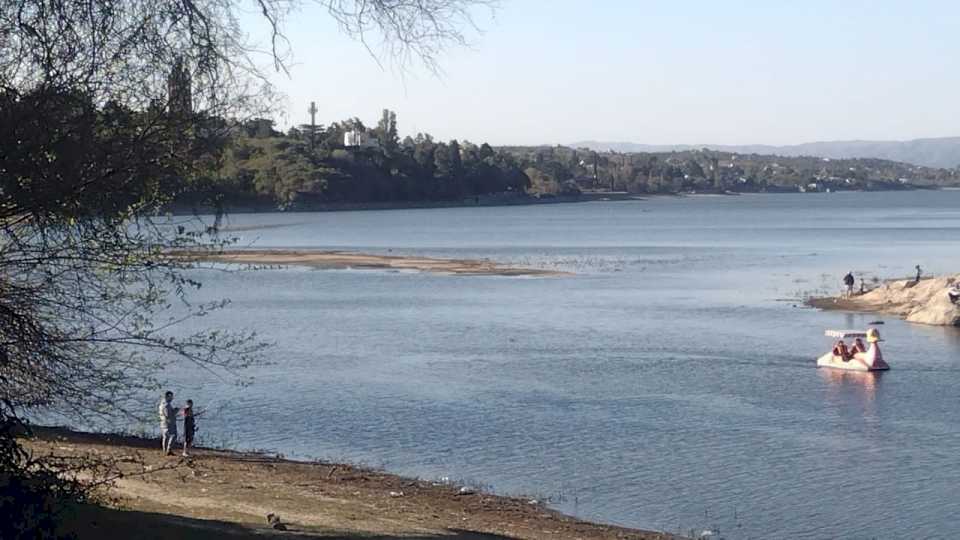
844 334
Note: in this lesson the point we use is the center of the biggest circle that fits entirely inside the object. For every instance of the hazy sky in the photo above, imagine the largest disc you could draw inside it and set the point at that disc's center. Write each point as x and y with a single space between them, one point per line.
711 71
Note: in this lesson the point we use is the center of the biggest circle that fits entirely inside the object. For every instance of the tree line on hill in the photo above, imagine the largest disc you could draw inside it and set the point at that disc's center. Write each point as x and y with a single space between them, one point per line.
554 167
349 162
312 165
943 152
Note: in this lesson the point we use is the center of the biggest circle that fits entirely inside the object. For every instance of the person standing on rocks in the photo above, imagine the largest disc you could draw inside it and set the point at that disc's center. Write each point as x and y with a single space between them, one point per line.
918 274
168 423
849 280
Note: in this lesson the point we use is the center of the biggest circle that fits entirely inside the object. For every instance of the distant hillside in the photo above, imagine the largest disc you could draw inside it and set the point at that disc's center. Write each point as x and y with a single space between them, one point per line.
940 152
555 169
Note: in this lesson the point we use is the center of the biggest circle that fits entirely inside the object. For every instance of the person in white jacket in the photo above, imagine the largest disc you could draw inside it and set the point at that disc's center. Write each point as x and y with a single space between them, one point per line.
168 423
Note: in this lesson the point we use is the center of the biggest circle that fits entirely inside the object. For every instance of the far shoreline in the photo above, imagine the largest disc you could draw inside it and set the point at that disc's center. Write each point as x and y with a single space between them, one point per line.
490 201
494 201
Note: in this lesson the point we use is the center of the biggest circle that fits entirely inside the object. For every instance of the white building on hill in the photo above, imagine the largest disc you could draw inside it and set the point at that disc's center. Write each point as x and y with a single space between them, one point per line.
359 139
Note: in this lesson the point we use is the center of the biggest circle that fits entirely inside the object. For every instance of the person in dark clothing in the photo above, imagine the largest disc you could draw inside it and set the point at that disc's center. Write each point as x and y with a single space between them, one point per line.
918 274
189 427
849 280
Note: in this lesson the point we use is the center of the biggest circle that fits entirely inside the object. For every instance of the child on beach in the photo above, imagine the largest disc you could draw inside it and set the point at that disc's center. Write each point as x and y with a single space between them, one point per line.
189 427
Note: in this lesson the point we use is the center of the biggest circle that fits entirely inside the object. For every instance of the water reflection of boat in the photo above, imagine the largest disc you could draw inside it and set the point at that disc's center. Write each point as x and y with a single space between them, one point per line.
854 357
845 384
867 380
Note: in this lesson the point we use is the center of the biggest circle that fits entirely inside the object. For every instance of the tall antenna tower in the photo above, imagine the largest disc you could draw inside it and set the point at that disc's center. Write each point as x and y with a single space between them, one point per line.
313 122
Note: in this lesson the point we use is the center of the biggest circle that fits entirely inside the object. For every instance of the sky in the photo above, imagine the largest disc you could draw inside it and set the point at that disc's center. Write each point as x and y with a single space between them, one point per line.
650 71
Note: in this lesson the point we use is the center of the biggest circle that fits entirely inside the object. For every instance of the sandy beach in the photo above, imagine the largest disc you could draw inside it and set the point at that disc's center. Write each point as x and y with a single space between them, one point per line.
339 260
226 494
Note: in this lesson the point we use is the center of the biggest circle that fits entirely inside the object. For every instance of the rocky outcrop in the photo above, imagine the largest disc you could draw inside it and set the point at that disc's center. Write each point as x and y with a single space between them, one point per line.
935 307
924 302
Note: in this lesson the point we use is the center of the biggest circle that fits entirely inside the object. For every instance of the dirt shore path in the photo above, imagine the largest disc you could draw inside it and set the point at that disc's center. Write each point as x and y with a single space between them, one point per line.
224 494
338 260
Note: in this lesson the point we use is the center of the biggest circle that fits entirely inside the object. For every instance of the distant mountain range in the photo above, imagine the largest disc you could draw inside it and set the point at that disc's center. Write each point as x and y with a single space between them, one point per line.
939 152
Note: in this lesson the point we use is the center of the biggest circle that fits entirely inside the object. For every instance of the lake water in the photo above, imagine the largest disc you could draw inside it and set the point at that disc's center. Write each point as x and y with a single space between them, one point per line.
669 384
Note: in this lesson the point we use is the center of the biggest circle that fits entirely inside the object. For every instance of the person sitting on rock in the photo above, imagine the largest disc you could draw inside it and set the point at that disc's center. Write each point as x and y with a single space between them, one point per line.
953 293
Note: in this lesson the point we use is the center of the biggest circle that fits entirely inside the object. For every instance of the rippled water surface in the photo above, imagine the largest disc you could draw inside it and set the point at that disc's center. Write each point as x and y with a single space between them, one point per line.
669 384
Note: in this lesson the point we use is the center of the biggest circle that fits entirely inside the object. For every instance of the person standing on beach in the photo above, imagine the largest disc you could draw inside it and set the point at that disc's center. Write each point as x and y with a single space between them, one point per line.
849 280
168 423
189 427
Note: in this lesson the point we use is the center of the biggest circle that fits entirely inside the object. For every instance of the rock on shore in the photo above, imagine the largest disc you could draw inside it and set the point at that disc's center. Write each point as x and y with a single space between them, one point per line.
924 302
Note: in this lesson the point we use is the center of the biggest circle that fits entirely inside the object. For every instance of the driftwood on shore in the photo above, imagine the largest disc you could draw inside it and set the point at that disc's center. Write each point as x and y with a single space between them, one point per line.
925 301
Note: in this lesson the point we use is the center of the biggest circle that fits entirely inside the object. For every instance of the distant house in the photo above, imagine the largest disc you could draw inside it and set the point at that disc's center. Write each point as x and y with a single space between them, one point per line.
359 139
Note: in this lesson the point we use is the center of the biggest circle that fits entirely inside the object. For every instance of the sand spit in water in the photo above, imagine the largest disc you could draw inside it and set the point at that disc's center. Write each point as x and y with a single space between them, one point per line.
338 260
